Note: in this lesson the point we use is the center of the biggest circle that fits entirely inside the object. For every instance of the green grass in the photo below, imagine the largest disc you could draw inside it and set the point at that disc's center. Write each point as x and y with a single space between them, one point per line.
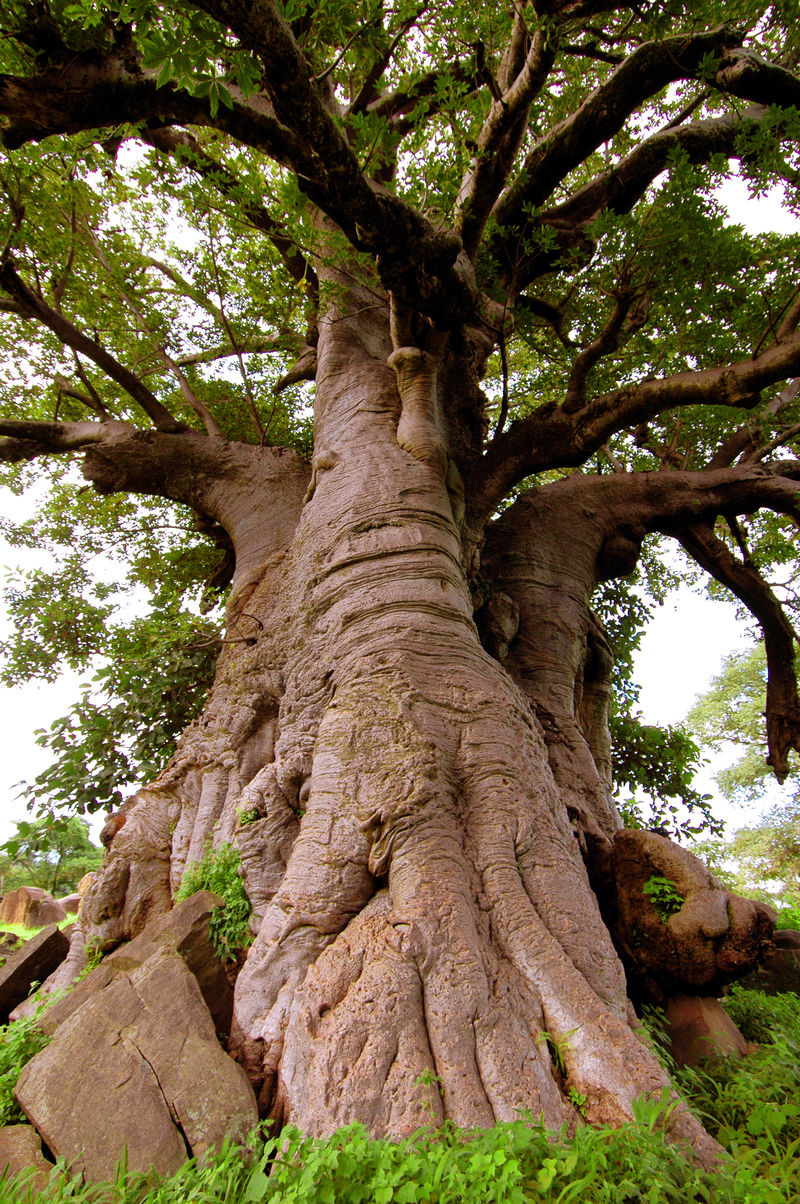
749 1105
25 934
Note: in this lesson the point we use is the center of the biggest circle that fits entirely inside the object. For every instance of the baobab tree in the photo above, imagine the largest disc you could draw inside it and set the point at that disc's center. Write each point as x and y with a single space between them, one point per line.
489 236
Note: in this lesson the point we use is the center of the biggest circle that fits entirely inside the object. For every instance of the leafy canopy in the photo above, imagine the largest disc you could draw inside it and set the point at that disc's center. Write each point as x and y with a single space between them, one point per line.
177 179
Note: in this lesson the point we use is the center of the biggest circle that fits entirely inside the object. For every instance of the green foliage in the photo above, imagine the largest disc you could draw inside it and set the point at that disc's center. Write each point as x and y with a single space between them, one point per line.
513 1163
127 722
218 871
19 1041
50 853
664 895
662 762
731 712
655 764
763 861
751 1105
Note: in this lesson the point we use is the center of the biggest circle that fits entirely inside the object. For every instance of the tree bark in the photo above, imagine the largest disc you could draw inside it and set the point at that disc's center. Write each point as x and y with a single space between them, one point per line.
413 832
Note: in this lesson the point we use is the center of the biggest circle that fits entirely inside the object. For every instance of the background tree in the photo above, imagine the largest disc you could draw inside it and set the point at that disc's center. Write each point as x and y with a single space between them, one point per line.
762 859
52 855
490 239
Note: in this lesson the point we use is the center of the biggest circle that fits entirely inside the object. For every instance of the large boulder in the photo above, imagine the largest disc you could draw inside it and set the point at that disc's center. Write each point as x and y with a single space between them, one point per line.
30 964
780 969
185 931
137 1068
31 907
700 1028
677 929
21 1150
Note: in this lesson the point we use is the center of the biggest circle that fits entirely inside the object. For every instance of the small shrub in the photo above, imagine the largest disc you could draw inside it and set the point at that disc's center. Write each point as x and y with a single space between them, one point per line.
789 917
218 871
19 1041
664 896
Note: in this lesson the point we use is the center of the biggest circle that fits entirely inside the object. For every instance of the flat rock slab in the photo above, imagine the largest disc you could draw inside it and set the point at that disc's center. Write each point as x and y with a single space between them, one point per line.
37 958
184 930
139 1068
21 1150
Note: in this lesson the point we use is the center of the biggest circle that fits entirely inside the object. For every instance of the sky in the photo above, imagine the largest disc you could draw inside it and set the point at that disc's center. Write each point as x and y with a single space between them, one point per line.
682 650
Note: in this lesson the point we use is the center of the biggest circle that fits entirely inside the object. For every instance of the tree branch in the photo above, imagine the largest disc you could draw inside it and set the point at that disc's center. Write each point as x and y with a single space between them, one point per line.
366 92
745 74
86 94
70 336
551 437
397 106
500 139
27 439
605 344
744 580
649 69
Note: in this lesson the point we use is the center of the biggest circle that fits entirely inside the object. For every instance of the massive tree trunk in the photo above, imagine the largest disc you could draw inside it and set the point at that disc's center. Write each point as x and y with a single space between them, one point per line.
420 814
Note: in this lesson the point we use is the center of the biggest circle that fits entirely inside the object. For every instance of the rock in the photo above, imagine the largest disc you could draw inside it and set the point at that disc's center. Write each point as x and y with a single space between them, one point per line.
699 1027
183 930
32 963
71 903
143 1059
32 907
780 968
62 977
711 938
21 1150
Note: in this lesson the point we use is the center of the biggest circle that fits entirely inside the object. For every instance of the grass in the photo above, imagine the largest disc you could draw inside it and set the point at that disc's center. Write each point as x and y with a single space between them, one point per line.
25 934
748 1105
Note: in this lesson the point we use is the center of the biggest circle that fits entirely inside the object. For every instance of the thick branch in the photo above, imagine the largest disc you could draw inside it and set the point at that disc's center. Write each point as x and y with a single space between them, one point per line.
27 439
87 94
500 139
744 580
70 336
746 74
649 69
551 437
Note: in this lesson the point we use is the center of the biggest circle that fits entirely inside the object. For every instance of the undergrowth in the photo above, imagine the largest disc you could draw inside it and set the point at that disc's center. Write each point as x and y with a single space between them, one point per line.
19 1041
748 1105
218 871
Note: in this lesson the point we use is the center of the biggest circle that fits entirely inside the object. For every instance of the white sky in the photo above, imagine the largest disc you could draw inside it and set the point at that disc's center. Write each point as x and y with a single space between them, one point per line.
683 649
